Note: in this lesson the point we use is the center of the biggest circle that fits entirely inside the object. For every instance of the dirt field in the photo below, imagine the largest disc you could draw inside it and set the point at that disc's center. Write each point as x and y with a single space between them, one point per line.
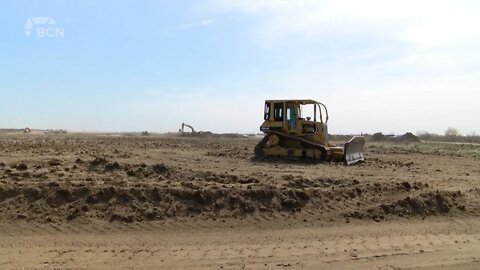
89 201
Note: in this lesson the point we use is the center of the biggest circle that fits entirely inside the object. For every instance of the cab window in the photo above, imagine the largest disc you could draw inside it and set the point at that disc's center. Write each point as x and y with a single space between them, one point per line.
266 114
291 117
278 112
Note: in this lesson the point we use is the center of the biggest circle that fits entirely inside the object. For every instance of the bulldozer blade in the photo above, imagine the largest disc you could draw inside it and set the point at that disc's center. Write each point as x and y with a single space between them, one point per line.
353 150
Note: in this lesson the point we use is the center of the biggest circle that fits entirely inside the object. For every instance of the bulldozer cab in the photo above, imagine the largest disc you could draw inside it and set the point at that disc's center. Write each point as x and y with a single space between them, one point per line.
296 117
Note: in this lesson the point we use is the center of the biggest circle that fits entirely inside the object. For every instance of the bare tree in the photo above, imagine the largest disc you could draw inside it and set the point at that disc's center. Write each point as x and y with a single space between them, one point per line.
451 133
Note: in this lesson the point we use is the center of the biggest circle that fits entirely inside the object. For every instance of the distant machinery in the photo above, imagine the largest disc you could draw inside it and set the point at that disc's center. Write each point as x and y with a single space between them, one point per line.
56 131
182 130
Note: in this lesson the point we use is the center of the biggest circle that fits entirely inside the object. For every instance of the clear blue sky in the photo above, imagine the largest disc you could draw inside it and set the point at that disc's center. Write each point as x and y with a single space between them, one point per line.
151 65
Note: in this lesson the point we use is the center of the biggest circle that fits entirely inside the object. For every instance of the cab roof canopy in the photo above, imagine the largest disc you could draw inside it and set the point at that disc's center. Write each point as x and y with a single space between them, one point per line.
299 101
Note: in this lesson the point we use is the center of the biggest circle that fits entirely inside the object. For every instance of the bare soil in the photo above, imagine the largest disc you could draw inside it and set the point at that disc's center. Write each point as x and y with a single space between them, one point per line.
97 201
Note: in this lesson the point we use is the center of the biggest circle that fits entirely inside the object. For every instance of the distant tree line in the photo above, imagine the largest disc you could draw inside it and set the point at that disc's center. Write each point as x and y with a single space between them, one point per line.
451 134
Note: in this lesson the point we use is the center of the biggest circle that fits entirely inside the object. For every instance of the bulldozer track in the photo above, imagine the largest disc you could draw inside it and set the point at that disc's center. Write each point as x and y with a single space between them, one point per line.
259 147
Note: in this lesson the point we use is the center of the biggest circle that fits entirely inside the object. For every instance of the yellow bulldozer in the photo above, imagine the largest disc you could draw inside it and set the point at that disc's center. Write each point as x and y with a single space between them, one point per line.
289 132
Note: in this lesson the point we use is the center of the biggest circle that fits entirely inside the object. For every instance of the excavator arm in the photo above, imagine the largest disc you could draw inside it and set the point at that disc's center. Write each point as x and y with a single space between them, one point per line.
187 125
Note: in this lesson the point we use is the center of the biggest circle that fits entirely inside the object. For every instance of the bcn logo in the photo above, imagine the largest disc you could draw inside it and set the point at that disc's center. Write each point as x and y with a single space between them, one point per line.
44 26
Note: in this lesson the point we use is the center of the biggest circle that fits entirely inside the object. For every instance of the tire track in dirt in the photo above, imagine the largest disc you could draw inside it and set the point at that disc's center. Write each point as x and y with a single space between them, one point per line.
367 244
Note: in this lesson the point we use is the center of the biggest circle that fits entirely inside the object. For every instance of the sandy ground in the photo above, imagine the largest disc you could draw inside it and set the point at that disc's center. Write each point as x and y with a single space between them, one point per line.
125 202
248 244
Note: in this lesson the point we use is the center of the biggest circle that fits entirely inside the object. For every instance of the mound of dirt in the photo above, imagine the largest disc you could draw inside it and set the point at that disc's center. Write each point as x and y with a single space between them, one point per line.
422 204
135 179
127 204
407 137
140 192
378 137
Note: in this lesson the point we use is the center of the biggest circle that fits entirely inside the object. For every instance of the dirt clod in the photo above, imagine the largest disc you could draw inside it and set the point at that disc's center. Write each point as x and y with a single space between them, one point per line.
22 166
